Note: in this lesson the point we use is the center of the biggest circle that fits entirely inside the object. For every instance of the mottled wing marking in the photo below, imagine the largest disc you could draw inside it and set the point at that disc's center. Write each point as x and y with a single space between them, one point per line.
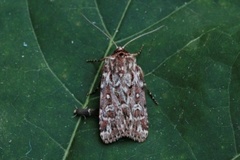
123 110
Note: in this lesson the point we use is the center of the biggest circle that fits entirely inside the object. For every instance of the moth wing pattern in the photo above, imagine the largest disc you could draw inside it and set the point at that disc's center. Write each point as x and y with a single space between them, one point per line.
122 110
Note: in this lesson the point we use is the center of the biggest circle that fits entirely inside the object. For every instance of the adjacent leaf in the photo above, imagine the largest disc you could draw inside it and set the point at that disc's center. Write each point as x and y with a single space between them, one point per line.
191 65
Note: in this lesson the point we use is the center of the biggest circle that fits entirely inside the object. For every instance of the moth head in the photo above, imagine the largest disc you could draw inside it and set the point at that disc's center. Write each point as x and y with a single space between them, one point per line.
120 52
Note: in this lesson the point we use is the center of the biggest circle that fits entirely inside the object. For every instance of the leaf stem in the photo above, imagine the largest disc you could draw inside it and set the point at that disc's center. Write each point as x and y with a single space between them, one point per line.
71 140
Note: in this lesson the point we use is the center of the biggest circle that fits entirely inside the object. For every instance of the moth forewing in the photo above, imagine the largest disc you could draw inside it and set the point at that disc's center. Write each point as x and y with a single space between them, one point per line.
123 110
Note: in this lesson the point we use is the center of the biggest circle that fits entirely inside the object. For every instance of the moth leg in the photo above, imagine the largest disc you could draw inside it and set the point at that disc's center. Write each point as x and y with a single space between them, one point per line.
151 95
139 52
94 60
96 89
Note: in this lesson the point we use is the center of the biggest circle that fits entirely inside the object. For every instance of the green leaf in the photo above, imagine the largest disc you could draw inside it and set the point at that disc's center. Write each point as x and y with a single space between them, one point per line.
191 65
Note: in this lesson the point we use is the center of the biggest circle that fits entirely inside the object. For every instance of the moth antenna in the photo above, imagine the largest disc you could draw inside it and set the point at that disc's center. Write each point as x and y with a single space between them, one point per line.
141 35
107 35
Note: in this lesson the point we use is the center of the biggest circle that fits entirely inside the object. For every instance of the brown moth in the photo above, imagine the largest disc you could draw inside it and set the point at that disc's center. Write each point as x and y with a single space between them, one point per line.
122 111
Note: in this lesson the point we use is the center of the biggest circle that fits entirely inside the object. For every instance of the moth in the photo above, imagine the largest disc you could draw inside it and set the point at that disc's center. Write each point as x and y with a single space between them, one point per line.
122 111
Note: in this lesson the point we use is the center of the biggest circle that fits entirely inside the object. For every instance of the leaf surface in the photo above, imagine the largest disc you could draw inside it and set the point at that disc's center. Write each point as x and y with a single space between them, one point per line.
191 66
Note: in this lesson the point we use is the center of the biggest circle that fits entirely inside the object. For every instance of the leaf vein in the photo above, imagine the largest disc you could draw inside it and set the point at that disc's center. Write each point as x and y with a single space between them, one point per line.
45 132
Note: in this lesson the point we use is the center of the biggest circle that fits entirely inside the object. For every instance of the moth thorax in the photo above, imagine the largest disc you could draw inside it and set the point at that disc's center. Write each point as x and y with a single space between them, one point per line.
120 48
